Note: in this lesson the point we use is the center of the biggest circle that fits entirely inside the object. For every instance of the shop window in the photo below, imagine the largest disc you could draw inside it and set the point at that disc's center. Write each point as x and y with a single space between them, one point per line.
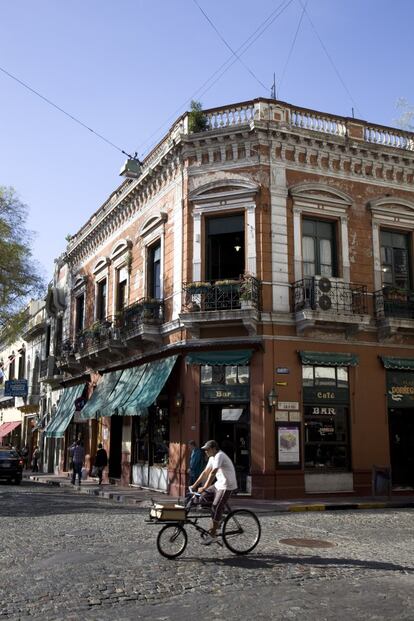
225 247
152 433
395 259
79 313
324 376
154 271
206 374
229 375
326 437
101 293
318 248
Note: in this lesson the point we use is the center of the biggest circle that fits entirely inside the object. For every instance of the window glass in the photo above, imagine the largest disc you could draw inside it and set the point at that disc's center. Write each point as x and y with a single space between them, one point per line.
308 249
231 375
206 374
325 376
307 376
325 250
243 374
342 377
326 437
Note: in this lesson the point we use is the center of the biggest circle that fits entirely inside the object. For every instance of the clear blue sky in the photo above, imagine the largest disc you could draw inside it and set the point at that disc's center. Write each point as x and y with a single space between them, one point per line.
127 67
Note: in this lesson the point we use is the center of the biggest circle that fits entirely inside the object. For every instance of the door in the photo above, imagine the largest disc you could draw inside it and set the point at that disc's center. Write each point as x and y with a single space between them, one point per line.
229 425
115 447
401 427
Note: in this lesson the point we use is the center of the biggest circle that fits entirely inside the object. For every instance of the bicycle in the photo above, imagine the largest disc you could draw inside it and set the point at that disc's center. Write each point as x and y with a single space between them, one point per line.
240 529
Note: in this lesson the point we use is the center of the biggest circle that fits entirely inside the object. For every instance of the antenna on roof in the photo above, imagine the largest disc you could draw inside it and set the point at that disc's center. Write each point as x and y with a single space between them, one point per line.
353 113
273 88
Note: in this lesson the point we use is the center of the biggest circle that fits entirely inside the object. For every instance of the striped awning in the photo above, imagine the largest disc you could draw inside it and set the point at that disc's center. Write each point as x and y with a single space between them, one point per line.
64 412
7 428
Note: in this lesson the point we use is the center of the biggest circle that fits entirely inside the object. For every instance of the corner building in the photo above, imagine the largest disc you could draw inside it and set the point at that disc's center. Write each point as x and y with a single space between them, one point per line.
253 284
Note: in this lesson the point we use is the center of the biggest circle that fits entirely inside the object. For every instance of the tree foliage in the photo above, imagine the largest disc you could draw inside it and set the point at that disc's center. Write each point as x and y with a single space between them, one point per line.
19 273
197 121
406 120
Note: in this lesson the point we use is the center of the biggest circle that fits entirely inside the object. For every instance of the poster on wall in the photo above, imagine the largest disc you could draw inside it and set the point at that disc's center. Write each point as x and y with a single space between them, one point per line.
288 445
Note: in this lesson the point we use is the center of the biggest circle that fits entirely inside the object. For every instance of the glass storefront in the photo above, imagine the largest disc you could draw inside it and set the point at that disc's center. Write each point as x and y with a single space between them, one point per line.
326 418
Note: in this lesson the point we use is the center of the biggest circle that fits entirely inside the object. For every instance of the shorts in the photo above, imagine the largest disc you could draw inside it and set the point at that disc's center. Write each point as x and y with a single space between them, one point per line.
217 498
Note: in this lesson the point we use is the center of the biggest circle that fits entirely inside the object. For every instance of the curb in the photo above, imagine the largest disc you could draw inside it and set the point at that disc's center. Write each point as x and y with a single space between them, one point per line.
294 508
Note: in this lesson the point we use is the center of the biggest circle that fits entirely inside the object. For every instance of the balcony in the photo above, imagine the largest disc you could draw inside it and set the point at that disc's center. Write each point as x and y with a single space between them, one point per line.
214 302
35 326
49 372
394 310
321 301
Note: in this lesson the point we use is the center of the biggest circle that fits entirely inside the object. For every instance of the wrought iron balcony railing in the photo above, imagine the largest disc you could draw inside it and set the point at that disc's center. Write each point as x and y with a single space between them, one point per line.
144 311
394 302
222 294
319 293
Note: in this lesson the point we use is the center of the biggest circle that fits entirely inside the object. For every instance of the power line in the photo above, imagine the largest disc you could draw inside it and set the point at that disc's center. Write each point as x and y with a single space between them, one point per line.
32 90
329 57
240 50
229 46
292 45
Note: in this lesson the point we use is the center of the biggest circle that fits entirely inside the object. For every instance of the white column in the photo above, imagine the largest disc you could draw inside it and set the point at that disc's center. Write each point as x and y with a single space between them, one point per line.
251 264
279 238
177 246
377 256
345 249
297 243
197 246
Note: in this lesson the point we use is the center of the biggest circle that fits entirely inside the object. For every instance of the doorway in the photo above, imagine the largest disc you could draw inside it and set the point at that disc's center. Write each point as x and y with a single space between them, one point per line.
229 425
401 428
225 247
115 447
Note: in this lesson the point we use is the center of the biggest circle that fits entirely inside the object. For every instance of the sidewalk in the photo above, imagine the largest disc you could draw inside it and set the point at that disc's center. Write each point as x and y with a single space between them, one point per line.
143 497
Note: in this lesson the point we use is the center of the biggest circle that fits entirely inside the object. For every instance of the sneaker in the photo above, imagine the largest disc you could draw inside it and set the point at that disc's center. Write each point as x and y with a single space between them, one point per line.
209 539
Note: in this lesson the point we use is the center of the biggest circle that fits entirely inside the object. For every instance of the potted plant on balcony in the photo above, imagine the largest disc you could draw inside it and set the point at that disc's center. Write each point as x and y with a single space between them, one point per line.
198 286
226 284
246 291
398 294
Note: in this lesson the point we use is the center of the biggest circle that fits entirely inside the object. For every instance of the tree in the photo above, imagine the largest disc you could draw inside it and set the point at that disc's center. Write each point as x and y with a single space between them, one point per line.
197 121
19 273
406 120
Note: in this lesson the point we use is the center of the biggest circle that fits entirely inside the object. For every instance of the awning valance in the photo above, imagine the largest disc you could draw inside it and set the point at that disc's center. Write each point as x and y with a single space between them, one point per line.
229 357
99 402
403 364
64 412
325 359
7 428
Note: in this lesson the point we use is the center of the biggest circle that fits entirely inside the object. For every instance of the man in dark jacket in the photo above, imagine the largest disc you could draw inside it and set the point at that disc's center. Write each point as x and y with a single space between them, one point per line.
196 462
101 461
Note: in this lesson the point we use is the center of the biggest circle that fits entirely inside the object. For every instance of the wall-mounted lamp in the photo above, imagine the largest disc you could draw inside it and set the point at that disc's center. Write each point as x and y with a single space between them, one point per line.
272 399
178 400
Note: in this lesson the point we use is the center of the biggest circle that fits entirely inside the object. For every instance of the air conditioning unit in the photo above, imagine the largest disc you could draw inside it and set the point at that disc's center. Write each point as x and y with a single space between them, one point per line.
330 294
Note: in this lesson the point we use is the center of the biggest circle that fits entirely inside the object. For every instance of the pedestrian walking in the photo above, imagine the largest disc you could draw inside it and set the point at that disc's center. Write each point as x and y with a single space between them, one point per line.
101 461
35 459
78 460
25 456
196 462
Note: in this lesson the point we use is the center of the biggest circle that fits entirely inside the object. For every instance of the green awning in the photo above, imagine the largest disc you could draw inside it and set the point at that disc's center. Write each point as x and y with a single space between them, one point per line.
230 357
125 386
403 364
151 378
64 412
325 359
98 403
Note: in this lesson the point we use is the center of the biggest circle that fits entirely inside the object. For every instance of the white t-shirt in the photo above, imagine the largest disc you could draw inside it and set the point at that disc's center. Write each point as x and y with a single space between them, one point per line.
226 475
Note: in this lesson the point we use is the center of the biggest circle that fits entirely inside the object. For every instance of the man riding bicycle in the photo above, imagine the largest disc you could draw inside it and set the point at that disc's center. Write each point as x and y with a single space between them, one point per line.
221 468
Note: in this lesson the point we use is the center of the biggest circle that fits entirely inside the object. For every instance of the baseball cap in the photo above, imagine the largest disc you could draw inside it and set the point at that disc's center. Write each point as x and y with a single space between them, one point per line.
210 444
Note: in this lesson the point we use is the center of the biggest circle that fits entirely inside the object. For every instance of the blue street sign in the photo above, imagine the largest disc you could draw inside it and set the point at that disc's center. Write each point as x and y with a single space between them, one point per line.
15 388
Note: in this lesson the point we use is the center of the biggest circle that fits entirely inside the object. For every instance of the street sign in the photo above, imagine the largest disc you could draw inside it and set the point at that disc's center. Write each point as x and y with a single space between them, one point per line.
15 388
287 405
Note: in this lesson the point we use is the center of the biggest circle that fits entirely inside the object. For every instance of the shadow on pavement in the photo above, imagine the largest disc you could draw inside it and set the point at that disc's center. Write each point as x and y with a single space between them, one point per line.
268 561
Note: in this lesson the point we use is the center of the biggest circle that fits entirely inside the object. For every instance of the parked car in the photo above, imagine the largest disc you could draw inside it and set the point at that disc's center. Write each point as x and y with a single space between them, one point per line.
11 465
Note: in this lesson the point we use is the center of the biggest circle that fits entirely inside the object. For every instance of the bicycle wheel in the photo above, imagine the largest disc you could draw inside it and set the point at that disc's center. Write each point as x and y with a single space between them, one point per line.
241 531
171 540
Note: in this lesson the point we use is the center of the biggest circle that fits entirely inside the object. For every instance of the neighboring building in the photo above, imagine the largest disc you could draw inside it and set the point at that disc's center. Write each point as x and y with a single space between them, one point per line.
12 367
252 284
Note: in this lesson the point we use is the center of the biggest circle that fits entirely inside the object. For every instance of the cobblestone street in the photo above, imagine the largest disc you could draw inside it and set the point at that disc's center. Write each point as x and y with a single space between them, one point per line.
70 556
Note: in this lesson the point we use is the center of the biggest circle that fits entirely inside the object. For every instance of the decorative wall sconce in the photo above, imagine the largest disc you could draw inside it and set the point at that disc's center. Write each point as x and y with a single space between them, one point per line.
272 399
178 400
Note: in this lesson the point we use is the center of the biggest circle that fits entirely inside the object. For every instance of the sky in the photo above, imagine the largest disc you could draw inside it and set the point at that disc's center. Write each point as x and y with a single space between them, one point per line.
128 68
